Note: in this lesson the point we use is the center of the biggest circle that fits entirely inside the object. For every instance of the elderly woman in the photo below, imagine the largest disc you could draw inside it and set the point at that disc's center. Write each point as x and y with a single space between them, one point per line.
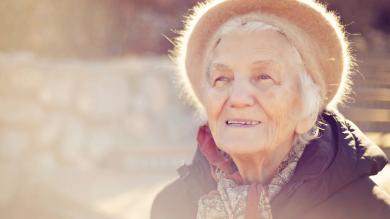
268 75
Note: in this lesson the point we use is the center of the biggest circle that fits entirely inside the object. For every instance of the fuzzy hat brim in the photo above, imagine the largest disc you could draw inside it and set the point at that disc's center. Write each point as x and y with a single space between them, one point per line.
315 32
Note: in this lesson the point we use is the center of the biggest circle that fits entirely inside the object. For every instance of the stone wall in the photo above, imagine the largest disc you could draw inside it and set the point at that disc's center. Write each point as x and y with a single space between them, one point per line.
83 113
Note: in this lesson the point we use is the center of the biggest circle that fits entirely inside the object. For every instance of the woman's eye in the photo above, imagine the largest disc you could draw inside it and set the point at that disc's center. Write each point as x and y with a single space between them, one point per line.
262 77
220 81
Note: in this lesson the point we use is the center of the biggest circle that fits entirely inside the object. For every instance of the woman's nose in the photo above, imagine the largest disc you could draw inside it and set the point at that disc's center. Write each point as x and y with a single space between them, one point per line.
241 95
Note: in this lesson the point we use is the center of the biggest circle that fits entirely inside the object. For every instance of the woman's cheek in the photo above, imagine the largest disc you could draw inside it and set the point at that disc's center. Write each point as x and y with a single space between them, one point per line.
267 100
285 102
215 99
276 103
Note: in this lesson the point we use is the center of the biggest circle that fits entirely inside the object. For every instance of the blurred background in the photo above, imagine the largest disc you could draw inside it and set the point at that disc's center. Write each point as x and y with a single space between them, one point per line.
91 125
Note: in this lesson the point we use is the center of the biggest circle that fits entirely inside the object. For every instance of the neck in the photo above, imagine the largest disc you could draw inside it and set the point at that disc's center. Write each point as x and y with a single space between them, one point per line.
260 167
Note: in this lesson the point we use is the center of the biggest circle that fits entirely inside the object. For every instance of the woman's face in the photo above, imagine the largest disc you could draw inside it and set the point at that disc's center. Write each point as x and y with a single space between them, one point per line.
252 94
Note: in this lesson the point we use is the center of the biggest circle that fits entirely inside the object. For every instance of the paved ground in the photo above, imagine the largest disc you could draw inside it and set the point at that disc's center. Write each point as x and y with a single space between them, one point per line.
98 194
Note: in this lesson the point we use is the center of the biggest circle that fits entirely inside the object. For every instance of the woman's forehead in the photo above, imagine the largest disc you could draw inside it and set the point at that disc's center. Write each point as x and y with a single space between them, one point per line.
258 38
264 47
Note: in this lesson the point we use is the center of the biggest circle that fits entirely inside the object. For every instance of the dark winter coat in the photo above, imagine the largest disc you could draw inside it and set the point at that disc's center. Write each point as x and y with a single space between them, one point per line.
331 180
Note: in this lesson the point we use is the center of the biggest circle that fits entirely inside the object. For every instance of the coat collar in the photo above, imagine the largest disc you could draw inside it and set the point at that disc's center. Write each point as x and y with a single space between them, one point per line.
340 155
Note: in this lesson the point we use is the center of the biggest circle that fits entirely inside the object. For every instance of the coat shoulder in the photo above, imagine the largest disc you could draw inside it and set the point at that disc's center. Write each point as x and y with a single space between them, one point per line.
172 202
179 199
361 199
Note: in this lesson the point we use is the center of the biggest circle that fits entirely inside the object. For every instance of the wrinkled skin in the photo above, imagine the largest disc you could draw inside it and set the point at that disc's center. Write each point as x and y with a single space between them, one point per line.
252 99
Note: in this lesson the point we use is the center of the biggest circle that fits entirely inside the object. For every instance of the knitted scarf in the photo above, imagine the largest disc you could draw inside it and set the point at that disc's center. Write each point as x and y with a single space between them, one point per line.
233 199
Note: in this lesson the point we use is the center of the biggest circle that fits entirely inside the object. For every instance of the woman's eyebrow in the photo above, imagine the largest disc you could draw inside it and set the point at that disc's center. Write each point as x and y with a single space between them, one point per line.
270 63
217 66
258 62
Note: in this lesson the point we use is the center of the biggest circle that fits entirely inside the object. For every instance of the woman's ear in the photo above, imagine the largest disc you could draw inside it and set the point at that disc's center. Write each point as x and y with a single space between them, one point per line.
306 123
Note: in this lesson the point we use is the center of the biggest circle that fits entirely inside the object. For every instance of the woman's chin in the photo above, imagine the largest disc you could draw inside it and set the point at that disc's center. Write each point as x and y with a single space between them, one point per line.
246 134
242 147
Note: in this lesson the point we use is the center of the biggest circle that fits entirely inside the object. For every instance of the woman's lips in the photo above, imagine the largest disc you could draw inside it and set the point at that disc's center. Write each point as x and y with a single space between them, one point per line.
242 122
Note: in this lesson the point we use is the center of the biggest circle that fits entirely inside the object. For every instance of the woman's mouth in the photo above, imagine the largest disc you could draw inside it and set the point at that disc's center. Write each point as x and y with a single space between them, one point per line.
242 123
